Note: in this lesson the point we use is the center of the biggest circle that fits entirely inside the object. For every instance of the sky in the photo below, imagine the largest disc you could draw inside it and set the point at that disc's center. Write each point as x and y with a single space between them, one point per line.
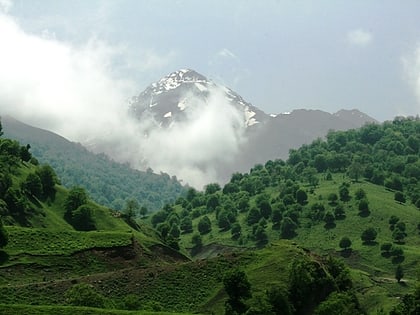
71 67
279 55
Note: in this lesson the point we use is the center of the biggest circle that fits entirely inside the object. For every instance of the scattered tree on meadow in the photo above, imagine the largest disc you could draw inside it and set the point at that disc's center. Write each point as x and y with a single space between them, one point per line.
399 273
301 197
344 193
204 225
345 243
399 197
369 235
197 241
363 207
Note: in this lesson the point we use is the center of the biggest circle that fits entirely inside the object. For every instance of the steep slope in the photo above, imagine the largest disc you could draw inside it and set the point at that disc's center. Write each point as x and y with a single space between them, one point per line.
107 182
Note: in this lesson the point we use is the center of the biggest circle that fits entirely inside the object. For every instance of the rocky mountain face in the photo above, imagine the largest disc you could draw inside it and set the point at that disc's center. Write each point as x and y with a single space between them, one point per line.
170 102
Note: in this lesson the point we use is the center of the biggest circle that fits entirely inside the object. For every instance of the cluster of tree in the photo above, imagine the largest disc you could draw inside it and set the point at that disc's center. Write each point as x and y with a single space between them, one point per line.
107 182
314 287
77 210
19 195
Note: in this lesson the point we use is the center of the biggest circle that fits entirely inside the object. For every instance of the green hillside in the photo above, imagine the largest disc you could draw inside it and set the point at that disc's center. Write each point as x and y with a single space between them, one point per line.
366 179
108 183
324 232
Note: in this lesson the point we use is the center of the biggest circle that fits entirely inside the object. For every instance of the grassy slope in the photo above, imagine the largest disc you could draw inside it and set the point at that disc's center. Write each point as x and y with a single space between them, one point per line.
373 273
69 310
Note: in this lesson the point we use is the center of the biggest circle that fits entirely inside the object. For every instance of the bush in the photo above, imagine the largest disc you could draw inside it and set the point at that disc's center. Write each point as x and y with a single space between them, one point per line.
369 235
204 225
345 243
84 295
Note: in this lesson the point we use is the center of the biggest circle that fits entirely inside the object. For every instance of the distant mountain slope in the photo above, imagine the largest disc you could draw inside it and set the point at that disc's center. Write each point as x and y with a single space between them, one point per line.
183 98
109 183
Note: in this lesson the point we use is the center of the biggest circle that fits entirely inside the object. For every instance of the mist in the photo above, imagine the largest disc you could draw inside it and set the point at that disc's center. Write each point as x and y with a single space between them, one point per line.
75 92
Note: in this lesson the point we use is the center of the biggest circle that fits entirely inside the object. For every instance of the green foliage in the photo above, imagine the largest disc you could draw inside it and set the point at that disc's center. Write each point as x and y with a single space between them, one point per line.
301 197
204 225
339 304
345 243
77 197
197 241
4 236
82 218
399 273
132 302
33 185
238 289
369 235
48 179
85 295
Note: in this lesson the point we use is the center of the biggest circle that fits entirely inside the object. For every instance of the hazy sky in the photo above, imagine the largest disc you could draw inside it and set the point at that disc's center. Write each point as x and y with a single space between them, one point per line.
279 55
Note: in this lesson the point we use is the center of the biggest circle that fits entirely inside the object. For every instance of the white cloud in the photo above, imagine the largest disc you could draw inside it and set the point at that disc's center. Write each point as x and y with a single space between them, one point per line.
411 64
71 90
359 37
5 5
227 54
74 91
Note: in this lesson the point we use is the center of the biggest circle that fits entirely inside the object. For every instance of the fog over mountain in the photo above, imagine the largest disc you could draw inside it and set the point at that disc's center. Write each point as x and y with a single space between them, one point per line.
77 89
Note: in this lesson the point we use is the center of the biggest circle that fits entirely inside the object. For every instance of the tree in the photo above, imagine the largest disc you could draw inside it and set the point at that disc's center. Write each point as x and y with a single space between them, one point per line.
344 193
82 218
332 199
355 170
143 211
345 243
399 273
236 230
278 299
254 216
360 194
392 221
399 197
238 289
84 295
174 231
329 219
77 197
363 207
1 128
276 217
4 236
261 235
33 185
204 225
386 247
301 196
48 179
186 224
197 241
339 212
223 220
131 208
212 188
287 228
369 235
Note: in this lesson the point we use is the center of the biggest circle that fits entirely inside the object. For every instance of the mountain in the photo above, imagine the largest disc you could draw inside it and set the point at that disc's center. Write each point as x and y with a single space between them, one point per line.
186 97
171 99
107 182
